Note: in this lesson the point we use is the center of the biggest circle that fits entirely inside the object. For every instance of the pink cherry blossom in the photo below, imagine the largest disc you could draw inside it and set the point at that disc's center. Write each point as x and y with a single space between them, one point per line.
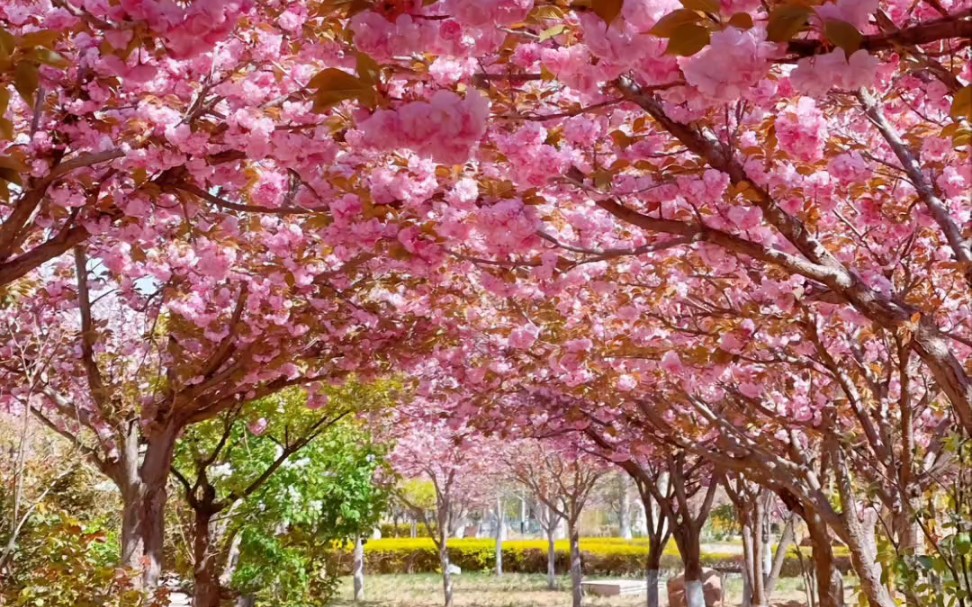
734 62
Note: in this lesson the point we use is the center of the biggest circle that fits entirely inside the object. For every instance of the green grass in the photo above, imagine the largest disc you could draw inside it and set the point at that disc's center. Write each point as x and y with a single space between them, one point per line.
512 590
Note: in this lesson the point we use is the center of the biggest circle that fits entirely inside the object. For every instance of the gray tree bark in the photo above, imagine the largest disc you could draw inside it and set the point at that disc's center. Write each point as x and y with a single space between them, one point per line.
358 569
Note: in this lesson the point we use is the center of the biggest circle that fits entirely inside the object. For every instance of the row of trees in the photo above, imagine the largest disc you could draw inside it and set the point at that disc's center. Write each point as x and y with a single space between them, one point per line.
733 234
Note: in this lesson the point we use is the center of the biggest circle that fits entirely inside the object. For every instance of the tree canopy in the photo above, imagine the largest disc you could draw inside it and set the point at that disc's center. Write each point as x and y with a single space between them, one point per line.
738 230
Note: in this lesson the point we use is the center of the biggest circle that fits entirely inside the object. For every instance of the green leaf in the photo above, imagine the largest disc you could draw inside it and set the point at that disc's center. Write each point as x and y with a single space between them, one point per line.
743 21
608 10
51 58
962 104
844 35
963 544
26 80
334 86
668 24
688 40
368 69
551 32
787 21
708 6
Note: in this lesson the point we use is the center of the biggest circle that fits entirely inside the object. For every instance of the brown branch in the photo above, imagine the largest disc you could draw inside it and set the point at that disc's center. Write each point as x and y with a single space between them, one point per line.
236 206
73 438
12 229
88 339
226 347
726 240
961 247
952 26
888 312
565 114
612 253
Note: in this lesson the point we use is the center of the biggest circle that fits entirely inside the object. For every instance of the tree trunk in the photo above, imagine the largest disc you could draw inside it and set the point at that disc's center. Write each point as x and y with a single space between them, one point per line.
656 528
523 515
131 538
125 473
205 572
758 579
865 566
747 569
358 569
830 587
767 543
786 540
551 558
155 476
499 536
860 543
690 547
446 574
576 570
624 512
908 545
653 566
694 593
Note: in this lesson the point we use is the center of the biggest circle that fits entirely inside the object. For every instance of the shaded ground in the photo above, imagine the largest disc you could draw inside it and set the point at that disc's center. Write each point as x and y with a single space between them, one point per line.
512 590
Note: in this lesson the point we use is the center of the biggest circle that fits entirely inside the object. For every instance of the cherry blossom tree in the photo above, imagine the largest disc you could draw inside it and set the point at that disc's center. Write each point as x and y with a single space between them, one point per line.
136 368
458 462
738 228
761 567
561 476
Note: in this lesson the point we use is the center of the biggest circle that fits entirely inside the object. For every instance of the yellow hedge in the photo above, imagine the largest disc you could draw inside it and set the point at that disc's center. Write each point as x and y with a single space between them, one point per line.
601 556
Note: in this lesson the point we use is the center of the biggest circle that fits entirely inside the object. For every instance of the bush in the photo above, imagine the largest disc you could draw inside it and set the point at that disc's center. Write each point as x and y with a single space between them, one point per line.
65 564
601 556
403 530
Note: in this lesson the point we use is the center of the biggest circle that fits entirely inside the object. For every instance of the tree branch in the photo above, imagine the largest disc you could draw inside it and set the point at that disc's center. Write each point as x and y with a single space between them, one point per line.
961 248
236 206
952 26
95 379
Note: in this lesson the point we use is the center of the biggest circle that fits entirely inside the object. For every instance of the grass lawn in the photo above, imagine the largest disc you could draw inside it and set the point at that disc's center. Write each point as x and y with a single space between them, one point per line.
512 590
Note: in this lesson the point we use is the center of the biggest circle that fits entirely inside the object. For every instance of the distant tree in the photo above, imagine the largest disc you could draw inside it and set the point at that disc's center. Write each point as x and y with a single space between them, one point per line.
447 471
268 498
561 477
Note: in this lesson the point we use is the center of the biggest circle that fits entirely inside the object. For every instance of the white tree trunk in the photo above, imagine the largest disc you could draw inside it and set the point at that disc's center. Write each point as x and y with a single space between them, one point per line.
551 560
694 597
625 510
576 572
358 569
523 515
446 574
500 535
652 579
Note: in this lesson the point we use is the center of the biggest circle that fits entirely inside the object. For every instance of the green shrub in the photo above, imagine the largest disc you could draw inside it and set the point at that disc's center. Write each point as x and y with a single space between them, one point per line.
601 556
66 564
403 530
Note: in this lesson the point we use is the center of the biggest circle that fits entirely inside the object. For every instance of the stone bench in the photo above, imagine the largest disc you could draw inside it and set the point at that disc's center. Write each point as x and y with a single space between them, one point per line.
615 587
